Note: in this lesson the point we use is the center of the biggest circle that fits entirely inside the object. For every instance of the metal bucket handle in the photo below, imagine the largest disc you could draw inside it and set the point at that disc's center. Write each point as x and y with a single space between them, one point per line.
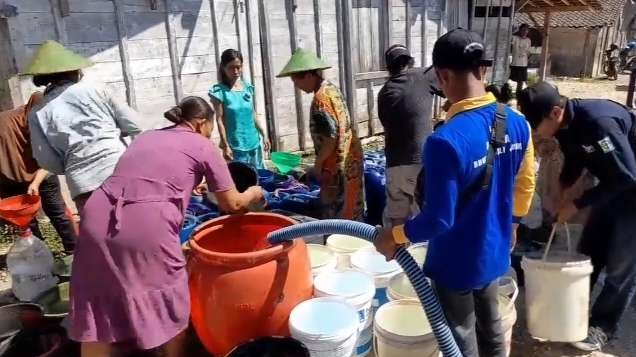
567 235
515 292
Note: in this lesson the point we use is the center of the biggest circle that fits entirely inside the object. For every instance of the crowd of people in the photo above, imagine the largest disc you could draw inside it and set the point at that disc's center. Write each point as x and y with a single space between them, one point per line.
466 183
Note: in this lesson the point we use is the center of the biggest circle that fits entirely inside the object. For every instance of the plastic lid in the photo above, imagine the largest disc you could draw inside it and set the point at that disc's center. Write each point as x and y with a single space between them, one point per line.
372 262
319 255
403 318
348 244
347 284
323 318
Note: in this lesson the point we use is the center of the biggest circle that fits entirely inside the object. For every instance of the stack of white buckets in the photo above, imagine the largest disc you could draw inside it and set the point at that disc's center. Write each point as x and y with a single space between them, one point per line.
363 303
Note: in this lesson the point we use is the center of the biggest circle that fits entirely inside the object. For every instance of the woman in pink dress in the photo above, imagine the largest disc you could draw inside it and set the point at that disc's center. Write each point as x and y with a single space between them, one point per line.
129 283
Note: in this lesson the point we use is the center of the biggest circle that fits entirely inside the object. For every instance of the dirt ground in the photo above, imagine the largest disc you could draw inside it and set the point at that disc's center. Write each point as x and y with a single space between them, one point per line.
523 344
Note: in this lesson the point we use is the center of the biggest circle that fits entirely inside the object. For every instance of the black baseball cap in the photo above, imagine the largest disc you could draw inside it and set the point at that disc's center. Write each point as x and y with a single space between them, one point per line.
395 52
537 101
460 49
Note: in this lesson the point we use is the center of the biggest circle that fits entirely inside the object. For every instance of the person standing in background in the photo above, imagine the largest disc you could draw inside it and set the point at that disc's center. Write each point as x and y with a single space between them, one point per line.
243 138
20 174
339 161
520 49
405 109
78 129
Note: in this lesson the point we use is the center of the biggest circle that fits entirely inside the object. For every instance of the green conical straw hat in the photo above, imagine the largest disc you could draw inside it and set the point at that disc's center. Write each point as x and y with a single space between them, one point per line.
302 61
52 57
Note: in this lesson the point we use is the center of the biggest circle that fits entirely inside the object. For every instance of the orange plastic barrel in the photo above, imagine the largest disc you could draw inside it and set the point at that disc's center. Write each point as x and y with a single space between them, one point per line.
242 288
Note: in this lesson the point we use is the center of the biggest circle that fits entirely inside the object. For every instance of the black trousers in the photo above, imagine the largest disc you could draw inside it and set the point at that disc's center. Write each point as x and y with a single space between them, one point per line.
474 319
609 238
53 206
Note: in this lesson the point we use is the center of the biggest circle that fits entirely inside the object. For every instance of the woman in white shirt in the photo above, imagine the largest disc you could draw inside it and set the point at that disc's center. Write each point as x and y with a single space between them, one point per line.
520 47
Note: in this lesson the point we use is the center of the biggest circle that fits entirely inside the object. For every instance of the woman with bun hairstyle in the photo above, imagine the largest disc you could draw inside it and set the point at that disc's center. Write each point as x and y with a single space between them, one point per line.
129 281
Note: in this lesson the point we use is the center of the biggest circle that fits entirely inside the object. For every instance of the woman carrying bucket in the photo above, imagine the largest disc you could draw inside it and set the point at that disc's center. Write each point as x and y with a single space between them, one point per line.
233 100
339 160
78 129
129 282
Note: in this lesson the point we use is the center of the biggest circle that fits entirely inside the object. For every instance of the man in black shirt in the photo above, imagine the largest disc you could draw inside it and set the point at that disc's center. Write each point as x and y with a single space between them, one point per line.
598 135
405 106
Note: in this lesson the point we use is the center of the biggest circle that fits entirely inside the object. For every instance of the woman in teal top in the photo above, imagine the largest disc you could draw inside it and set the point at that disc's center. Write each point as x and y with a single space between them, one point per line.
242 136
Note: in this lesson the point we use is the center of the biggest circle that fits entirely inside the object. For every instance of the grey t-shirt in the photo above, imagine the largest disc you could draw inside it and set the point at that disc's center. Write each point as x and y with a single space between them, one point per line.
405 106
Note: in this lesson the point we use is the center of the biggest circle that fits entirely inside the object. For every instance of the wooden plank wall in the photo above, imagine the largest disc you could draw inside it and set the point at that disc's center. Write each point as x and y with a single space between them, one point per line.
158 64
496 36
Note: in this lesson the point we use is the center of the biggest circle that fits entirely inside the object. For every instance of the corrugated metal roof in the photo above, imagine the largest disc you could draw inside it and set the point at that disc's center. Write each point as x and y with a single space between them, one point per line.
610 11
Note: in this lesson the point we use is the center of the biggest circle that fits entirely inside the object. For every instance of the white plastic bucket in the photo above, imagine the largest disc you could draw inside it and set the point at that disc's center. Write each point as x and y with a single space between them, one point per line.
322 259
356 288
400 288
418 251
328 327
402 330
369 261
344 246
558 296
508 292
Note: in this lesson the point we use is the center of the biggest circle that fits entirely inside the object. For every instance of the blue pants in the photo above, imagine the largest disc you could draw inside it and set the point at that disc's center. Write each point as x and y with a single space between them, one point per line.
609 238
251 157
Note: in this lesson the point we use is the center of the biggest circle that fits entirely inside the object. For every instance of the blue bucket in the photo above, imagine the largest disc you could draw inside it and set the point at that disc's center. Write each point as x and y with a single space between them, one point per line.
189 223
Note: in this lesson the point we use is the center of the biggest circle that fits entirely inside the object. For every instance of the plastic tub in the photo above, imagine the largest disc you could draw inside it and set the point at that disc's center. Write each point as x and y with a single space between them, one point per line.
371 262
322 259
401 329
344 246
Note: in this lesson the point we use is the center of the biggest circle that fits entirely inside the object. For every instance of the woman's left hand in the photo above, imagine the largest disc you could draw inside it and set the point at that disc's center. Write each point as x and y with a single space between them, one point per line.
267 146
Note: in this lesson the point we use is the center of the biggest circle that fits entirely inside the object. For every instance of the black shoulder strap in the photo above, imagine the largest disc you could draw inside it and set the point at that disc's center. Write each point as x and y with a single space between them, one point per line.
497 140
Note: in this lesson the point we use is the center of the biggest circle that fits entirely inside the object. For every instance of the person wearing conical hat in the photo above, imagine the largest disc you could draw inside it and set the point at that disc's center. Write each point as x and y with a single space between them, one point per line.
339 159
77 131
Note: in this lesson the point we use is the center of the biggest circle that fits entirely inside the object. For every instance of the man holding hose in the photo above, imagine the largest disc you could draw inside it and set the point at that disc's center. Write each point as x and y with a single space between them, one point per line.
475 164
598 135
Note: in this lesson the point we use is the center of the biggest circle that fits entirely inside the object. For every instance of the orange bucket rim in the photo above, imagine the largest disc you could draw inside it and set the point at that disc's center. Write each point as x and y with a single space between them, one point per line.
240 258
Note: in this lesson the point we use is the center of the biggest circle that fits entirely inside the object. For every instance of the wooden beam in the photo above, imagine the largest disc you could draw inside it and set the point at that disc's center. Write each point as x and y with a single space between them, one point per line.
407 23
317 28
509 39
122 35
366 76
472 14
484 34
496 54
586 48
215 35
268 76
237 25
340 38
550 3
370 105
521 5
546 43
389 15
290 7
58 21
250 46
424 34
566 2
350 70
171 20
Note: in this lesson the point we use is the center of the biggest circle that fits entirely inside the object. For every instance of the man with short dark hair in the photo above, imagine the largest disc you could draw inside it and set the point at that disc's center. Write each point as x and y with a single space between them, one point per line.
479 175
598 135
405 106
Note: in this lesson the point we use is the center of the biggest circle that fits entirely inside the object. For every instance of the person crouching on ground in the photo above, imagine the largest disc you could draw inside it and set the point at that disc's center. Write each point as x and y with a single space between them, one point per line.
471 181
598 135
339 161
129 282
405 105
77 131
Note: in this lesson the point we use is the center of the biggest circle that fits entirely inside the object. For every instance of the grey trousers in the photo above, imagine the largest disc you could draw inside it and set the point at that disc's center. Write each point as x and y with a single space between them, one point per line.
474 319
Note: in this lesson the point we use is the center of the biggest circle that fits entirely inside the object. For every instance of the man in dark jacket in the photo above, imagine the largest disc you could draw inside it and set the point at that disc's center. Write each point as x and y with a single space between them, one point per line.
405 108
600 136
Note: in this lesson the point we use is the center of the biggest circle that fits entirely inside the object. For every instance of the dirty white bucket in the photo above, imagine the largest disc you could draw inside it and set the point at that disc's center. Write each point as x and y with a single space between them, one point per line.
401 329
322 259
356 288
558 296
508 292
344 246
369 261
400 288
418 251
328 327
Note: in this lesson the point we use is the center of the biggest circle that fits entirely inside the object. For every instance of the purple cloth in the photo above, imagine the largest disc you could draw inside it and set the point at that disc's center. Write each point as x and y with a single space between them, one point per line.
129 280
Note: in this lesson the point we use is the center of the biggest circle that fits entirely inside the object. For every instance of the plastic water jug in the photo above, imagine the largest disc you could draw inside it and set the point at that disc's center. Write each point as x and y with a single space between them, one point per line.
30 263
